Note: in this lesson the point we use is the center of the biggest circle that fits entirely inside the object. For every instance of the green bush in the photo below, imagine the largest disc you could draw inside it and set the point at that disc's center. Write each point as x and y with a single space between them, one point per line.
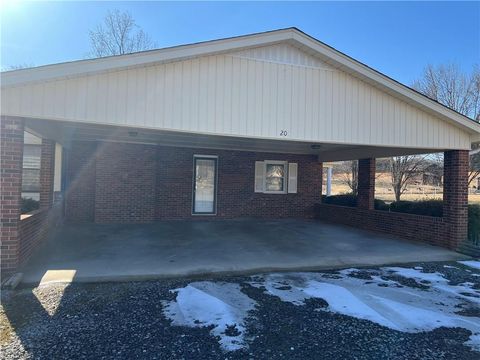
426 207
342 200
351 200
381 205
27 205
474 223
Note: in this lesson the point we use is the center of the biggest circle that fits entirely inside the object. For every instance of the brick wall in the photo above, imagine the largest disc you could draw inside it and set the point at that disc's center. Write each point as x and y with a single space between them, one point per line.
125 183
35 228
11 160
80 186
140 183
428 229
236 176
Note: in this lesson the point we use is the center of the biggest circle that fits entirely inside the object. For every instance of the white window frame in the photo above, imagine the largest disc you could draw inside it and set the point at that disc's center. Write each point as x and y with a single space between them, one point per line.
285 176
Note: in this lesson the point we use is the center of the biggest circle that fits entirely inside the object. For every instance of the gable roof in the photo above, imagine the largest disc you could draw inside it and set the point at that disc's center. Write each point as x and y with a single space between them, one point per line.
292 35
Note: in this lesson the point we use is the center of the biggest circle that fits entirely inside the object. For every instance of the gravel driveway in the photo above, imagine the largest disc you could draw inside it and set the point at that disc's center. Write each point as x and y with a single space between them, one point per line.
331 315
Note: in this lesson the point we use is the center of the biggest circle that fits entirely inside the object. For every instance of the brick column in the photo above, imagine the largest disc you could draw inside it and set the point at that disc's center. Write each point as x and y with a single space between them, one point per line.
366 184
47 164
11 163
455 195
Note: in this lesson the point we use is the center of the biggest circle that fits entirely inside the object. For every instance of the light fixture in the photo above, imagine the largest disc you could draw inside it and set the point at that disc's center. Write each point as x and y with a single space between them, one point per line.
133 133
315 146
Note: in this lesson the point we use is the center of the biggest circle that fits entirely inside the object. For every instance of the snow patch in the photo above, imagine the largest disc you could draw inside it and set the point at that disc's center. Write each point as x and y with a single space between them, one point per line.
221 305
417 274
345 302
471 263
450 267
383 301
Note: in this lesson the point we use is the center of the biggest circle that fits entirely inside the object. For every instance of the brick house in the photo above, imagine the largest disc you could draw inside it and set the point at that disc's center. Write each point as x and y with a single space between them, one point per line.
229 128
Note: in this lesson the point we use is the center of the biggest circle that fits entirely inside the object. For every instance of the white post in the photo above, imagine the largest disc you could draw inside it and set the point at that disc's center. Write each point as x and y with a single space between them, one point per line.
329 181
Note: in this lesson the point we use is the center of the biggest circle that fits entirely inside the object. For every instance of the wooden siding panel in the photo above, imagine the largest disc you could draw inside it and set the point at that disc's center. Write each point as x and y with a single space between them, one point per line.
240 96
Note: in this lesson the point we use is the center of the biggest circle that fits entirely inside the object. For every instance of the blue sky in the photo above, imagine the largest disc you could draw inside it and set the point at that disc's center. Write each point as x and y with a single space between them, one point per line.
398 39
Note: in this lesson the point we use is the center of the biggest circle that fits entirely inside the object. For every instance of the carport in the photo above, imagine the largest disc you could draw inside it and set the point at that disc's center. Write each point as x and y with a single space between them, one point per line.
207 133
118 252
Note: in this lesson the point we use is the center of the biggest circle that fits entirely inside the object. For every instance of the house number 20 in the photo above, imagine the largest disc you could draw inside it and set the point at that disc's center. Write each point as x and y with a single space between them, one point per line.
283 133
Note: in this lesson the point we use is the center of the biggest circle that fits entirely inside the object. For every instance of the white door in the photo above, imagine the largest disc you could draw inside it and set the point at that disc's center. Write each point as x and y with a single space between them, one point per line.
204 187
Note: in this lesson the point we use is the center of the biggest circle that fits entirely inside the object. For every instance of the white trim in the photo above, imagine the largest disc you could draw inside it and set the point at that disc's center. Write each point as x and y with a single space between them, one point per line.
292 184
143 58
205 156
282 63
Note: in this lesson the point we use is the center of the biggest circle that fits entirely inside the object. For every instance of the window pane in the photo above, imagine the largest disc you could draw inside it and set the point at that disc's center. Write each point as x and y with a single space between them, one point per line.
31 195
31 180
31 156
275 176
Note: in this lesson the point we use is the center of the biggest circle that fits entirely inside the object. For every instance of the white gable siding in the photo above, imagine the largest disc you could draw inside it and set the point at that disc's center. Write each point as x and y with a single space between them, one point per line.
282 53
232 95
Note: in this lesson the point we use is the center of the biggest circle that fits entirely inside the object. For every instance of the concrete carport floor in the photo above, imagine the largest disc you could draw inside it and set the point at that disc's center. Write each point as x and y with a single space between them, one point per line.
118 252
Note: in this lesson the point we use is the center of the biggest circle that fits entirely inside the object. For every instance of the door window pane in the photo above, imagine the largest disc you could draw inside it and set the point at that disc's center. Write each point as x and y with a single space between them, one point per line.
204 187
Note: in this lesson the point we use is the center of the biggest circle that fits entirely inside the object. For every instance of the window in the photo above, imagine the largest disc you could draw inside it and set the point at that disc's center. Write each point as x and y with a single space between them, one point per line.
32 152
275 177
31 170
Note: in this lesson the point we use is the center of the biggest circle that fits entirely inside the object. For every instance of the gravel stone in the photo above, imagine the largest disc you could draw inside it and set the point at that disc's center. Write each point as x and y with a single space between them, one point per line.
125 321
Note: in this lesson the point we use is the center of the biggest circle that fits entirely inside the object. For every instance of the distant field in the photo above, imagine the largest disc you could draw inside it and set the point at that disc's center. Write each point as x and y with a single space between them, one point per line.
384 191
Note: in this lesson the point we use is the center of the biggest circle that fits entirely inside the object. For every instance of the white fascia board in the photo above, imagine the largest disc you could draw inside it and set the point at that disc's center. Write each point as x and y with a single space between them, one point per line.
111 63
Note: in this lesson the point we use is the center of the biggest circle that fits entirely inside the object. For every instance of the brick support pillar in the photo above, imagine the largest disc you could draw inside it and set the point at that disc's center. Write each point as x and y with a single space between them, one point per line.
11 163
455 195
366 184
47 165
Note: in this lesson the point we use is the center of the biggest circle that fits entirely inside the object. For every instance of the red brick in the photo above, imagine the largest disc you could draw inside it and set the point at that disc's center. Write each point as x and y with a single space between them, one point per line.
366 183
11 159
113 182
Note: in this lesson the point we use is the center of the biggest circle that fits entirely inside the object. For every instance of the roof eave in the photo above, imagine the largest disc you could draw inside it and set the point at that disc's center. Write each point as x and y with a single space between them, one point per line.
366 73
337 58
175 53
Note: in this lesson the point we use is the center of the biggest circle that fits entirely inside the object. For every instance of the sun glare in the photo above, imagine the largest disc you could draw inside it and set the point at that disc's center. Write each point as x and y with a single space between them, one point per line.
10 5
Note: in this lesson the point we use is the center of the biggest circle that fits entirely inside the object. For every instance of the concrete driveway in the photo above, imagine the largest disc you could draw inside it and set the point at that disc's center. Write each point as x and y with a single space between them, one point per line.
94 252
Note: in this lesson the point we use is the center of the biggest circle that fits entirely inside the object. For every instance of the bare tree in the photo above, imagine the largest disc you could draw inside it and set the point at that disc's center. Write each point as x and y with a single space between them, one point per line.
453 88
457 90
403 169
118 35
349 171
474 166
17 67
